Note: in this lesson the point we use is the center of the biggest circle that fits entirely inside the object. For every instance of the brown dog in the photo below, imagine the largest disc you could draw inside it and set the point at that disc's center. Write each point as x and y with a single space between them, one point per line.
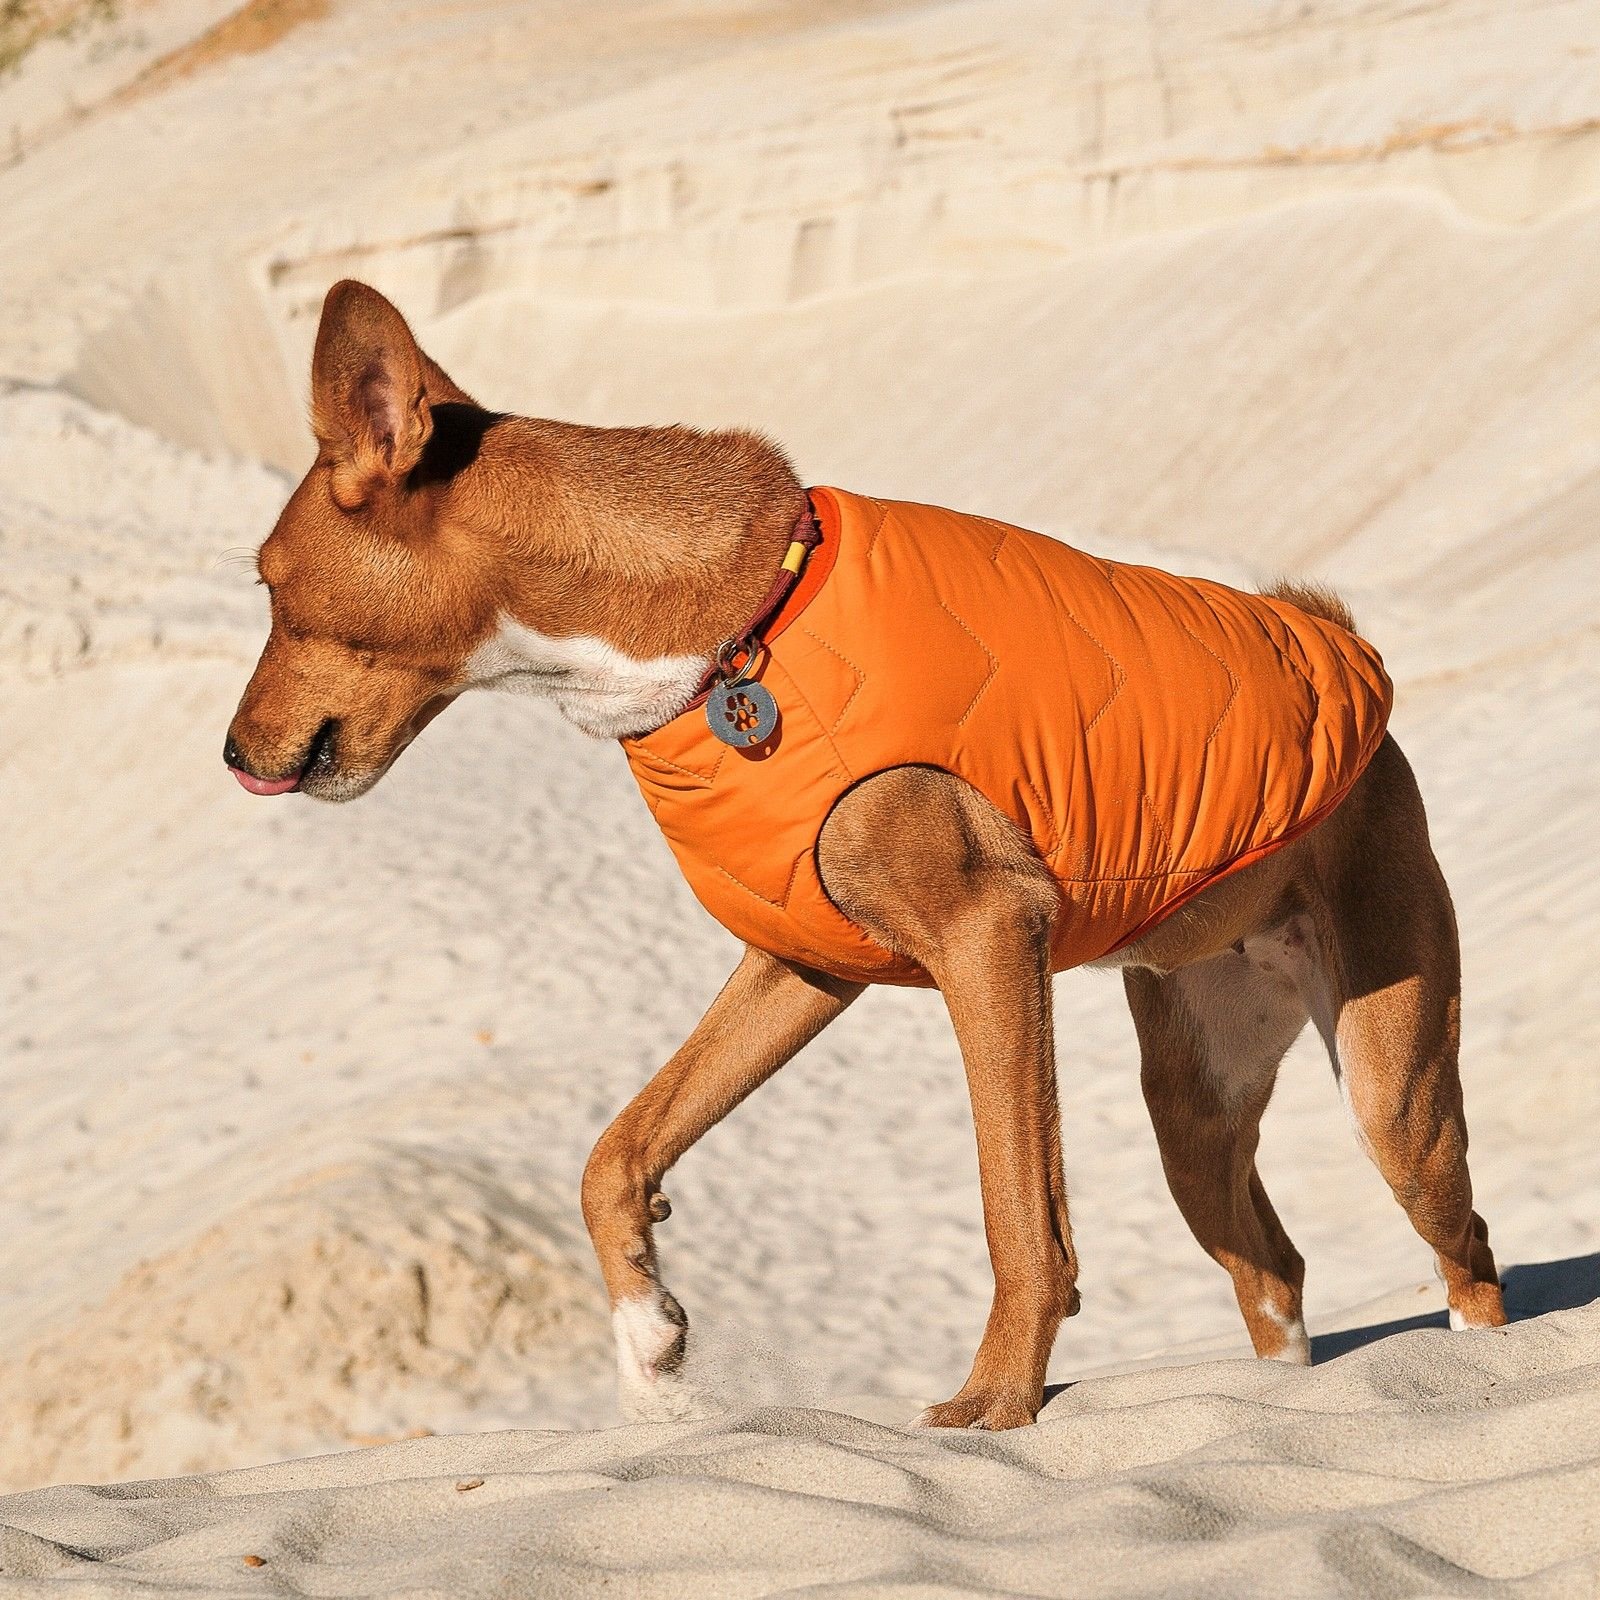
435 546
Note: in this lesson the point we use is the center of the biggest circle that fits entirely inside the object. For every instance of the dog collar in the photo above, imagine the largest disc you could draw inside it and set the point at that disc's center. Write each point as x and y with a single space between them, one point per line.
739 710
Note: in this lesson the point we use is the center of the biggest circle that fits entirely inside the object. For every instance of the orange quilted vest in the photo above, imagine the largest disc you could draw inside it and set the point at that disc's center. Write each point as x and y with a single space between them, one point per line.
1149 733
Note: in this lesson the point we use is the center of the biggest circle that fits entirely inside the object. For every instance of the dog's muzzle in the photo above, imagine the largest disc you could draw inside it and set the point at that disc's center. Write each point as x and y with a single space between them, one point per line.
319 755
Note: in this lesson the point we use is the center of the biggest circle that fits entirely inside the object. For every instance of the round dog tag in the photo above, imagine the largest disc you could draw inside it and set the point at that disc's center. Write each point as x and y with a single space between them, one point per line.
741 713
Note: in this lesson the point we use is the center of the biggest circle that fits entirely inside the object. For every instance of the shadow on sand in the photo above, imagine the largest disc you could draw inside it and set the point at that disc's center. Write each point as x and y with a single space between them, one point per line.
1531 1290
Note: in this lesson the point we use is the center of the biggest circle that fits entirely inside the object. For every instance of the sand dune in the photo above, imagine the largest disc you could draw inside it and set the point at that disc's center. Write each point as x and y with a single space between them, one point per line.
295 1100
341 1306
1425 1464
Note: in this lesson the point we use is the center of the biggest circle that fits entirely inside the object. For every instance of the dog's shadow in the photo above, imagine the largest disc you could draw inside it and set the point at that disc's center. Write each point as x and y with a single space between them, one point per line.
1531 1289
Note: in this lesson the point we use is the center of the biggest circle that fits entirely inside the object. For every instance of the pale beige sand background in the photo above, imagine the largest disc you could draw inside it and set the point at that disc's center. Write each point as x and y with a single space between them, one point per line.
294 1100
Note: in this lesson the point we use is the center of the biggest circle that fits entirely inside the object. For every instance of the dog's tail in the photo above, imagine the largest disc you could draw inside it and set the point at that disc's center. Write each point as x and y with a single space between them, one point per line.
1315 599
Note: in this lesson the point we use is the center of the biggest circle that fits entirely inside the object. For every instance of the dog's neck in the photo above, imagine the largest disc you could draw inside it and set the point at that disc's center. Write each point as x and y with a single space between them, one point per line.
627 556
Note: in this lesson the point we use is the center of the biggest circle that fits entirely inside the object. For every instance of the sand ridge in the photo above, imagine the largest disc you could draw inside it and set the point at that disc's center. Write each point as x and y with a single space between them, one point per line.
1368 1475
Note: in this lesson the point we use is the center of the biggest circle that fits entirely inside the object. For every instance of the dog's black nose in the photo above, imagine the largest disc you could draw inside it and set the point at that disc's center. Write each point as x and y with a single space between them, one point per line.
321 750
232 755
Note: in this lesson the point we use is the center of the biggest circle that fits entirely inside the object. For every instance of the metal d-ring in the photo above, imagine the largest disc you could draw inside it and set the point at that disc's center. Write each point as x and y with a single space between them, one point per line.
740 711
731 676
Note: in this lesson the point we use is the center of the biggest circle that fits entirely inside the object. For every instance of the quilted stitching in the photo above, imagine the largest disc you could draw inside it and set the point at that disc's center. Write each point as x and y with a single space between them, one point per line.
1003 529
861 677
1165 858
883 517
1144 877
1045 812
1119 676
788 888
1233 677
994 665
706 778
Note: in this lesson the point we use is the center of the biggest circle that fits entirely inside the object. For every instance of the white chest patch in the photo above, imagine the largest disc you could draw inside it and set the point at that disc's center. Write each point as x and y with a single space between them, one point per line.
594 685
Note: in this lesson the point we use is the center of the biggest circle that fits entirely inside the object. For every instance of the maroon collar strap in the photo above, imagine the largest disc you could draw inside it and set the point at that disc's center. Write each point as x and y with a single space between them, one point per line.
738 653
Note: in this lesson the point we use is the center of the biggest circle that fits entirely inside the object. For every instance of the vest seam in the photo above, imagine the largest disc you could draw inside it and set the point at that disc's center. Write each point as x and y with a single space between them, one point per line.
1233 677
1153 812
1288 660
1119 673
1004 529
788 888
883 517
805 700
706 779
1174 872
1055 832
1305 677
1249 856
861 681
994 666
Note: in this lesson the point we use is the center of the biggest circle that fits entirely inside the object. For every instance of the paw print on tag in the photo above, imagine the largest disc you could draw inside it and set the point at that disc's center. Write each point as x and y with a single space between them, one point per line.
742 714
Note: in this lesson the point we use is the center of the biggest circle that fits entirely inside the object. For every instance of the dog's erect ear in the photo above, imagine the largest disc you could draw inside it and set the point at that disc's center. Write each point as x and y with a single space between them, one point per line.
442 388
372 392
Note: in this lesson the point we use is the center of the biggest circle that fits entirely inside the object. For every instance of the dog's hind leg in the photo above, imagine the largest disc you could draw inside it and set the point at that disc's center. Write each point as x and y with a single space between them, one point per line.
1386 996
1211 1036
765 1013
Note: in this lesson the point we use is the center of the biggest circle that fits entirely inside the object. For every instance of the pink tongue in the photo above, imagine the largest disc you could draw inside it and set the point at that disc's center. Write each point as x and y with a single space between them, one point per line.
266 785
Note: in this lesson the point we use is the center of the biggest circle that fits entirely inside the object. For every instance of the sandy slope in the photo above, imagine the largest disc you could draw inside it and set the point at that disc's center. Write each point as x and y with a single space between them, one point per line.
294 1100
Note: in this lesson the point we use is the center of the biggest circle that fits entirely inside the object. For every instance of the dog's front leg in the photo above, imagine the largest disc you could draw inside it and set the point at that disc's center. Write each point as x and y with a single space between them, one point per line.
766 1011
994 975
930 868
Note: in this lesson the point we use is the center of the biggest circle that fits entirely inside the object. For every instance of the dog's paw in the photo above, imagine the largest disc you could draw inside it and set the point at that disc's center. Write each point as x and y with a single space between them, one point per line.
989 1410
652 1335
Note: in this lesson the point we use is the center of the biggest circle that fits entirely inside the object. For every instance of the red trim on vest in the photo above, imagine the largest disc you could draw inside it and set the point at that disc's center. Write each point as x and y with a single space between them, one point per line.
818 564
821 535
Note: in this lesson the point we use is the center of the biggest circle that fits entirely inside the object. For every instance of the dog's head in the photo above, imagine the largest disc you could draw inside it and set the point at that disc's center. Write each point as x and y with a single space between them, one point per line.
377 598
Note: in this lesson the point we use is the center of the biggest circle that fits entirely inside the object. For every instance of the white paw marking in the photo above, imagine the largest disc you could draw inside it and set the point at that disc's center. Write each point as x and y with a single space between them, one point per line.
1296 1346
1458 1323
650 1332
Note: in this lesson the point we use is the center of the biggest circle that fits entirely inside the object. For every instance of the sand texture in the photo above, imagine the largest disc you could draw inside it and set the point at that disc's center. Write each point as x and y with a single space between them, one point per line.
294 1100
1423 1465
